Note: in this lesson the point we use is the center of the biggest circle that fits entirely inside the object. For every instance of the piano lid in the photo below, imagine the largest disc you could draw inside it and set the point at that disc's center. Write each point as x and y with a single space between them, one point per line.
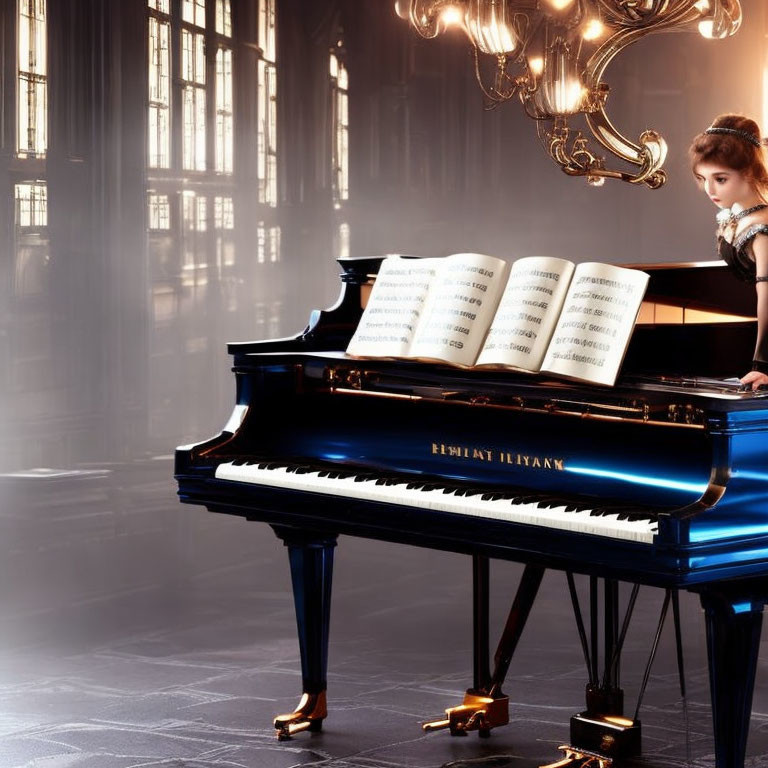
703 286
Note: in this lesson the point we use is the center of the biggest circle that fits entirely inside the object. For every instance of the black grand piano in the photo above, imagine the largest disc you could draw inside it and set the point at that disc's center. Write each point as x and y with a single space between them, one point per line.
661 480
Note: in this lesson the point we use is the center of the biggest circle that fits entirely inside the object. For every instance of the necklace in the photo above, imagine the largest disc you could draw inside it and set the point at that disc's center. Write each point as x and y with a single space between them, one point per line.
742 214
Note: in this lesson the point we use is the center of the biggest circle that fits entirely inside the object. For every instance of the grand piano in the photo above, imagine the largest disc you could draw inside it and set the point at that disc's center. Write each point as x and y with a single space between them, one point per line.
660 480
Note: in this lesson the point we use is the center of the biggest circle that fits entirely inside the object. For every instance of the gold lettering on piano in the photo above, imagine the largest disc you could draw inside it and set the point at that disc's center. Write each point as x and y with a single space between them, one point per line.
495 456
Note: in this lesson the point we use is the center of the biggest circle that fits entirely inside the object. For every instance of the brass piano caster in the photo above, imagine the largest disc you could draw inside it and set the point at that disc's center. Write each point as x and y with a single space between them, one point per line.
573 757
476 713
308 716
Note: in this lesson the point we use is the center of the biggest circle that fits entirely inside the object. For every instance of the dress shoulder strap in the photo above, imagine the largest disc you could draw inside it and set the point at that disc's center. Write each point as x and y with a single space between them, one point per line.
748 235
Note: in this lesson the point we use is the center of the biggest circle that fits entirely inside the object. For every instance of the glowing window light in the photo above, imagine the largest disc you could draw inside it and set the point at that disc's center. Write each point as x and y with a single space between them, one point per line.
159 144
159 212
32 81
224 18
224 212
31 205
340 130
224 116
193 11
267 133
193 100
267 29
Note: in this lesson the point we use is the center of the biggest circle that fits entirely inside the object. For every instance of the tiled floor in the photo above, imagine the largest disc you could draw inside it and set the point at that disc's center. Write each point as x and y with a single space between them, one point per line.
137 632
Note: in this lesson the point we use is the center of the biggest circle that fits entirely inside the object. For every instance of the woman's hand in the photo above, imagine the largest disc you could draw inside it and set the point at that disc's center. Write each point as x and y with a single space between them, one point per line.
755 379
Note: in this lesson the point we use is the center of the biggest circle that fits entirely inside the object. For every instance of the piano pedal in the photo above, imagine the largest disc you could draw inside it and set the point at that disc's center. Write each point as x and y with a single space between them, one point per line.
308 716
574 757
476 713
601 739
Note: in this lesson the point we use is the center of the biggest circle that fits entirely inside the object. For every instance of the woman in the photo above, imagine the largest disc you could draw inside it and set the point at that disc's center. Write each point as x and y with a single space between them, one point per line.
729 165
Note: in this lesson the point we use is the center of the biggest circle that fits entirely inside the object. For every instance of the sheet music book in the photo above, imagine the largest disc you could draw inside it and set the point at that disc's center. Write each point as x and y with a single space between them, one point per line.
541 314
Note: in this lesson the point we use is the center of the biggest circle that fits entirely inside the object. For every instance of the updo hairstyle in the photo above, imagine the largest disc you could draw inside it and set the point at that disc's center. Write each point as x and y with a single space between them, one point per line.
733 151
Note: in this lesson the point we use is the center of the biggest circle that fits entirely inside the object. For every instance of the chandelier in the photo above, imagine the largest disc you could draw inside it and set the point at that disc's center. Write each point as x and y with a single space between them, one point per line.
551 54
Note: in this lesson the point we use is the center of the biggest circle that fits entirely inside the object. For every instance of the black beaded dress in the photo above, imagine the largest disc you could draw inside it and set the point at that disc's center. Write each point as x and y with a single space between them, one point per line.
738 257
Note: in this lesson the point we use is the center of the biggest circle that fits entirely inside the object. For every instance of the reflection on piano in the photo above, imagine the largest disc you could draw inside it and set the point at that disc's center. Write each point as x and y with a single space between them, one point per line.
660 480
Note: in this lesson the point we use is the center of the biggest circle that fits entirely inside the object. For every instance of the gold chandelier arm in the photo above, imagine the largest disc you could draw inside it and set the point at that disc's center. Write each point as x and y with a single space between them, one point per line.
602 57
425 16
575 158
628 16
495 95
651 152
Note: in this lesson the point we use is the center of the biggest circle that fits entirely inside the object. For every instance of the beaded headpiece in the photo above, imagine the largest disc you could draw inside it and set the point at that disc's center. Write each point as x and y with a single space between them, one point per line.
751 138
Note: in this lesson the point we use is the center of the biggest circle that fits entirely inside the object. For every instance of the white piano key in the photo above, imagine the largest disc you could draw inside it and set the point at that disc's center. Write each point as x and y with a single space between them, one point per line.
529 513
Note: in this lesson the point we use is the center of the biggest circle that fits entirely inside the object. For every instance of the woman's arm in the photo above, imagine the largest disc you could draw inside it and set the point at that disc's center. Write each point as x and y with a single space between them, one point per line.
758 376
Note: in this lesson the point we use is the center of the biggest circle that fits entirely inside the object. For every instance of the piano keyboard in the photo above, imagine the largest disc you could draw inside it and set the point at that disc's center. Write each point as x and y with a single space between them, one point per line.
524 507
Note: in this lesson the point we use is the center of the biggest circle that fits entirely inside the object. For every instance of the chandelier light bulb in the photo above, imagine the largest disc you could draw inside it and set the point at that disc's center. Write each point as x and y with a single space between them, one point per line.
560 5
702 6
451 16
593 29
495 39
536 65
724 21
489 24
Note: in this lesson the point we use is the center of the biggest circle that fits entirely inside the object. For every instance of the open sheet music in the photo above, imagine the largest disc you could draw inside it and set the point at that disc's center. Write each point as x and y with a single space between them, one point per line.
468 309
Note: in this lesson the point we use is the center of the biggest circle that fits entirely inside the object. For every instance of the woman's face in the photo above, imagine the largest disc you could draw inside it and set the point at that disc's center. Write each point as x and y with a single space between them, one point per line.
723 185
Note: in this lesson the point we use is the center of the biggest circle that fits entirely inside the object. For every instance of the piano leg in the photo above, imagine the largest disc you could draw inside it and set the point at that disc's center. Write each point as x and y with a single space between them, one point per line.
733 641
485 706
480 621
311 560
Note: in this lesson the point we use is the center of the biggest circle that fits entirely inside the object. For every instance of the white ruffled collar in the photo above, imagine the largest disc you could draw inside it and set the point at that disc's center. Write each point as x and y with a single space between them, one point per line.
726 223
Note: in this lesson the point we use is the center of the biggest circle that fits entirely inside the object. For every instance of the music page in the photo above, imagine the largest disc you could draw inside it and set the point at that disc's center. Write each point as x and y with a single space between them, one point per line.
459 308
596 322
527 313
394 307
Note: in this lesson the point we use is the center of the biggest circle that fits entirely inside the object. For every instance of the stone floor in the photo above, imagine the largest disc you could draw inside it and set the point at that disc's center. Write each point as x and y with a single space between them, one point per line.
136 632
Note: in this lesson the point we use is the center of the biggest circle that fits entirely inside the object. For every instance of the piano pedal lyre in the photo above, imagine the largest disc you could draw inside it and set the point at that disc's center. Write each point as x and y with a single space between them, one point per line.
308 716
476 713
602 739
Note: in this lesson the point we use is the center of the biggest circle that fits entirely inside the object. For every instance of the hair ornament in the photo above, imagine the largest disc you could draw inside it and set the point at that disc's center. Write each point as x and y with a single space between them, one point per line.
751 138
